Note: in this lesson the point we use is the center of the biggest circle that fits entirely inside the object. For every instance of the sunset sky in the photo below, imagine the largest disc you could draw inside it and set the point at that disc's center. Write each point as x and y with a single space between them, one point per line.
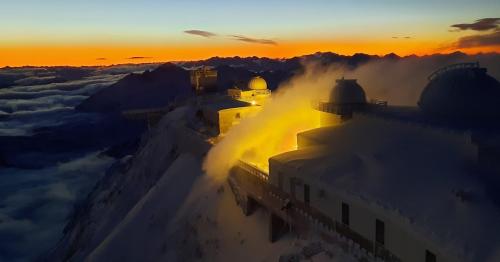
97 32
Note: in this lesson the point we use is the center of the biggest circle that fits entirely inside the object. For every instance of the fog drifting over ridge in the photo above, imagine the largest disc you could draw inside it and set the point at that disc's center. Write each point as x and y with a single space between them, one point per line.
401 81
273 130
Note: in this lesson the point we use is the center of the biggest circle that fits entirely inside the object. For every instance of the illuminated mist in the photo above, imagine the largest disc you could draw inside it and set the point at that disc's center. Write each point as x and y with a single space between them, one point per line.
273 130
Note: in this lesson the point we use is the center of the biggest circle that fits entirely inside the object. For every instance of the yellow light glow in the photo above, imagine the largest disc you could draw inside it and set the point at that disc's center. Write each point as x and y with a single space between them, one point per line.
273 130
253 102
278 137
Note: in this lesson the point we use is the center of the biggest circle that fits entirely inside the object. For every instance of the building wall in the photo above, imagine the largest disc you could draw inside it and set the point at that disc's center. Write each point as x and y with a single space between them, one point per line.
328 119
257 96
234 93
232 116
399 237
203 79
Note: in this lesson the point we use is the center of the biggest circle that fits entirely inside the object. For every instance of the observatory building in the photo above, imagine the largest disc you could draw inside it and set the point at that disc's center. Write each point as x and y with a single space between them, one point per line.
403 184
461 92
346 97
256 92
223 113
203 79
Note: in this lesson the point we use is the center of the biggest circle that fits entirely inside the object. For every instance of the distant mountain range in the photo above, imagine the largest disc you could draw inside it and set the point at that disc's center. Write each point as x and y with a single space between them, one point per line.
258 64
170 81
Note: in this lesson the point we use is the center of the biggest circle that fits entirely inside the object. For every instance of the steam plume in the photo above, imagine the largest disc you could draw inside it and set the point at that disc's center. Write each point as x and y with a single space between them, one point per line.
273 130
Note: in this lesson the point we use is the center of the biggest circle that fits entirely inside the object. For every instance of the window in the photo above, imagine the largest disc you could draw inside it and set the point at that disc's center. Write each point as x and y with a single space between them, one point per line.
379 231
345 214
306 194
429 256
280 180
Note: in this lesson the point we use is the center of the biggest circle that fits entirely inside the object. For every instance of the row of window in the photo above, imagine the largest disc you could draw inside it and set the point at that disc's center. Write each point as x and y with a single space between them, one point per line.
380 232
345 217
379 224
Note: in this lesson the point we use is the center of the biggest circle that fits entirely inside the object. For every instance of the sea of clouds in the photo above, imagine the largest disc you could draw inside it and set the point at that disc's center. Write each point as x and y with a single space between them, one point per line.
35 203
25 108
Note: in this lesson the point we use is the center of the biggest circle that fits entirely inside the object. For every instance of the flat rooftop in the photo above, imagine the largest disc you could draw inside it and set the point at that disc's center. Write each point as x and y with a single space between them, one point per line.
424 174
224 103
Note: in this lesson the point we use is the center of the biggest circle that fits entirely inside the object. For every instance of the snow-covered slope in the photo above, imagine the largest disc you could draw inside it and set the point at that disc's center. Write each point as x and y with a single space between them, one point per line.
186 216
117 193
159 206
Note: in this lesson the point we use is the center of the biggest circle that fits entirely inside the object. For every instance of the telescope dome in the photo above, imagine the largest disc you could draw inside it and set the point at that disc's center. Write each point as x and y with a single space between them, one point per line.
347 91
257 83
461 92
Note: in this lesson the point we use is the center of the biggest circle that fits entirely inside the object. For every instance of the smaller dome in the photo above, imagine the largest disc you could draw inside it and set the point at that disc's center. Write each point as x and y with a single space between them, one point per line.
257 83
347 91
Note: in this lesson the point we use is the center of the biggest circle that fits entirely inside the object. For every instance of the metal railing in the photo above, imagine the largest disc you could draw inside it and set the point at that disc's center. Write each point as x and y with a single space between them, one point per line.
339 109
254 181
380 103
262 92
254 170
452 67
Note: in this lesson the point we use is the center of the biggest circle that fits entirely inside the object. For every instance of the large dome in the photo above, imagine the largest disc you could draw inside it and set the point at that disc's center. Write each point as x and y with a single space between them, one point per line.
461 92
347 91
257 83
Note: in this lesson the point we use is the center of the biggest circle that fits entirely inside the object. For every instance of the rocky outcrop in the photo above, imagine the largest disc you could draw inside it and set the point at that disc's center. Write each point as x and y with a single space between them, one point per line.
150 89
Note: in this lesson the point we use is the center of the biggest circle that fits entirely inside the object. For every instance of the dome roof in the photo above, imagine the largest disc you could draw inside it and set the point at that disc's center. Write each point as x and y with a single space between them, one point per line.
257 83
347 91
461 92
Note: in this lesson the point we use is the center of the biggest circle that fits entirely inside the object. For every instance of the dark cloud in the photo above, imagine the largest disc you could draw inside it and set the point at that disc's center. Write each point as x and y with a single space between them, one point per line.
402 37
490 36
232 37
101 58
491 39
484 24
200 33
253 40
139 57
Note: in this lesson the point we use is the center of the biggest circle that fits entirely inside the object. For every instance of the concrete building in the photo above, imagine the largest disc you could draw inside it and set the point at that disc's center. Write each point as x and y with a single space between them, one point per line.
223 113
256 92
346 97
405 184
203 79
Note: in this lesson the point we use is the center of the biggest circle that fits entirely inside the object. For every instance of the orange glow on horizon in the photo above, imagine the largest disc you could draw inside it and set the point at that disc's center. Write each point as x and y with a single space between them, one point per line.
96 55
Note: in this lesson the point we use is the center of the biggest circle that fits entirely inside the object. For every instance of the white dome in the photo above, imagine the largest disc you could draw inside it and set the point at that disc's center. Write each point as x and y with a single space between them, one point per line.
257 83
